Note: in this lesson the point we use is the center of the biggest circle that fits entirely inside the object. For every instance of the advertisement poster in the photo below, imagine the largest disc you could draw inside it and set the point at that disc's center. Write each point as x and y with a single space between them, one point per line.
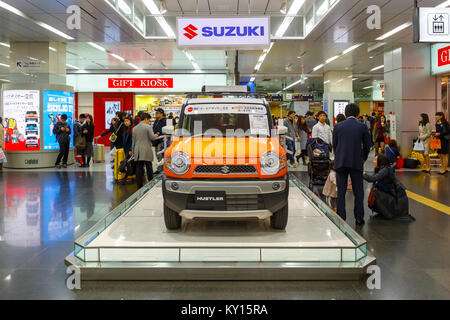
339 108
111 107
21 120
56 103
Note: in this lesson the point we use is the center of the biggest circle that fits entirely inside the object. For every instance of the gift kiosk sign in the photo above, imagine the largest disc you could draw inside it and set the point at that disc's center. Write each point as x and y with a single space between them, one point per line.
56 103
21 114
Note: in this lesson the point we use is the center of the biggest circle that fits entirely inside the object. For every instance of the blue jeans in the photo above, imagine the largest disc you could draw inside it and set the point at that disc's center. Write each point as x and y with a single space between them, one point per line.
290 144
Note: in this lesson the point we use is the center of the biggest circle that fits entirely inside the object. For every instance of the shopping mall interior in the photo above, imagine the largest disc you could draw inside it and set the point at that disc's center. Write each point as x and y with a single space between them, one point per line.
254 62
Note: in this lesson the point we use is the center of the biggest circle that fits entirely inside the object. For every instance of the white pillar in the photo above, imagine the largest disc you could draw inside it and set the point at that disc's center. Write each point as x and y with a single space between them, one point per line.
338 85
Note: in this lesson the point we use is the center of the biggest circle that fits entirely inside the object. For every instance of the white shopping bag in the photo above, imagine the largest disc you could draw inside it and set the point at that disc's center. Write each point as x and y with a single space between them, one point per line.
2 156
418 146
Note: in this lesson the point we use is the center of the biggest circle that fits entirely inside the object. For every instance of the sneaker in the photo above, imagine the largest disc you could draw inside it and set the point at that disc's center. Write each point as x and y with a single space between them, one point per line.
57 166
64 166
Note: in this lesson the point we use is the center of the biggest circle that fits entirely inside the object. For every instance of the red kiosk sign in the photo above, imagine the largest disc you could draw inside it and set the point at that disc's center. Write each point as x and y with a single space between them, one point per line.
140 83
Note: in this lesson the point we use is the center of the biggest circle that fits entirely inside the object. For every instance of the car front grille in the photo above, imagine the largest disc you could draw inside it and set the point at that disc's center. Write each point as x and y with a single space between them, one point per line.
225 169
234 202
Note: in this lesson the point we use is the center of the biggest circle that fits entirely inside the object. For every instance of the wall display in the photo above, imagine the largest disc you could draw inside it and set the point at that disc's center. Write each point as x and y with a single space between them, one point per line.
339 108
56 103
111 107
244 33
21 115
433 25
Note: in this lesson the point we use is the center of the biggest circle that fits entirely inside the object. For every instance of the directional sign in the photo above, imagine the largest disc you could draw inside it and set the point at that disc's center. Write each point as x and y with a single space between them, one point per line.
24 64
433 25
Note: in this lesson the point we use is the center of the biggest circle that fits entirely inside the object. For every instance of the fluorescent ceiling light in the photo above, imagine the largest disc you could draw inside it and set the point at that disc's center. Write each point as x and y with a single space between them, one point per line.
98 47
377 68
322 9
258 66
369 87
293 84
133 66
252 79
151 6
5 44
354 79
52 49
376 46
263 56
328 81
4 80
331 59
4 65
352 48
394 31
293 10
72 67
39 23
189 55
320 66
283 8
163 6
124 7
117 57
444 4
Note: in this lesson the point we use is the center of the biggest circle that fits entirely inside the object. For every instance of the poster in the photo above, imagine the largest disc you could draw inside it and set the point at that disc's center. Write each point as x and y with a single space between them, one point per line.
339 108
21 114
111 107
56 103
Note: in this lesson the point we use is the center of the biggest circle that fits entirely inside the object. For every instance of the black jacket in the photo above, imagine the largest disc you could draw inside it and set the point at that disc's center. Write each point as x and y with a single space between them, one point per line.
443 129
384 178
90 134
62 136
127 143
157 128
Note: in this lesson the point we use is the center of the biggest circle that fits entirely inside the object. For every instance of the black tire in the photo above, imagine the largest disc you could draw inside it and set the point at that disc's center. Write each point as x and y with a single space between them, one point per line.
279 219
171 218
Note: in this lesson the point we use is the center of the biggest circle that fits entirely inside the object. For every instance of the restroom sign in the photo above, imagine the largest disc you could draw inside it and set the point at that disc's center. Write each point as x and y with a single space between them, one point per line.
434 25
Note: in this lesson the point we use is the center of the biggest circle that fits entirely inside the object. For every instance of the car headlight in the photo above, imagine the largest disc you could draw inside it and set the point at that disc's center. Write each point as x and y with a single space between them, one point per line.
272 163
179 163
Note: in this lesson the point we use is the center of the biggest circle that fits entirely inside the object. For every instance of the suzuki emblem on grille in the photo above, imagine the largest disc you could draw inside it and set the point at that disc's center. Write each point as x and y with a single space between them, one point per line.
225 169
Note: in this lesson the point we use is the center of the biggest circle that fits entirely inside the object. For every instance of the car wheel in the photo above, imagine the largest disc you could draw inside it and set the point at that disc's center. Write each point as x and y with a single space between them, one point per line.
279 219
171 218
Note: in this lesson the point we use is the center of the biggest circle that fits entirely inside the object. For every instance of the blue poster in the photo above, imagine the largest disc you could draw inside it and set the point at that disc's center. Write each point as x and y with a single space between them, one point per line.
56 103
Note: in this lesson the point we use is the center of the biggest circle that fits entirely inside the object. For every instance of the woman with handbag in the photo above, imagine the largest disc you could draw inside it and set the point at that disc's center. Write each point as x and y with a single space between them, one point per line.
381 131
88 133
425 133
443 134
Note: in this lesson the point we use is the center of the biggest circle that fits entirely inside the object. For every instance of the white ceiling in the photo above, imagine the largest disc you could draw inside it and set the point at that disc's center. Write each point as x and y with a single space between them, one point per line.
342 28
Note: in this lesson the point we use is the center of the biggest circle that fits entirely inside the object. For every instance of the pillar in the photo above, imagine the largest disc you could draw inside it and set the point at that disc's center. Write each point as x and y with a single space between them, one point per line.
338 86
410 90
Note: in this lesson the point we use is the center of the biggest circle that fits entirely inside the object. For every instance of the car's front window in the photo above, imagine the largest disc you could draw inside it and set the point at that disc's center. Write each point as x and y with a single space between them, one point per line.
229 120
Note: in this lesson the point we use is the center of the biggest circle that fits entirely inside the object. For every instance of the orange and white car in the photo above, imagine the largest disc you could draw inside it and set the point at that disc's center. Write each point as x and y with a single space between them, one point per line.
225 162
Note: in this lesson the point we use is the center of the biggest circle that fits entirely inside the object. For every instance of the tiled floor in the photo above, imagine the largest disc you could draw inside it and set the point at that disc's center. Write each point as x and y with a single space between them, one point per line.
42 212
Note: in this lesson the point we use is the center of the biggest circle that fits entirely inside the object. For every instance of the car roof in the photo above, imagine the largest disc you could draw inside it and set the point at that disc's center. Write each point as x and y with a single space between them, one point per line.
226 100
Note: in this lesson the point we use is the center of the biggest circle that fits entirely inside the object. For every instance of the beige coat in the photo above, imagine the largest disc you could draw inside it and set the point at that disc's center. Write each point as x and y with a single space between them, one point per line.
2 137
142 142
425 137
330 188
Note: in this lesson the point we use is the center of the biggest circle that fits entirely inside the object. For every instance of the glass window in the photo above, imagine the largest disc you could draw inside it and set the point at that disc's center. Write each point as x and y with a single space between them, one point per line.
139 19
321 8
309 21
126 8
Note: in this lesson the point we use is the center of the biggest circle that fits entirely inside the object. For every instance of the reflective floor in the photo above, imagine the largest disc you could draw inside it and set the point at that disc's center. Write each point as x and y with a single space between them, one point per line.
42 212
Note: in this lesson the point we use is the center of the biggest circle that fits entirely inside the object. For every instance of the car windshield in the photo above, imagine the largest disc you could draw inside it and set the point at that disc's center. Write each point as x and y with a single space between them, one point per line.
234 121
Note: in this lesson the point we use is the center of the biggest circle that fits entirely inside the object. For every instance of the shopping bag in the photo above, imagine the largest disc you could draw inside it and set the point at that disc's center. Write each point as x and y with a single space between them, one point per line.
418 146
2 156
435 144
387 140
371 199
400 163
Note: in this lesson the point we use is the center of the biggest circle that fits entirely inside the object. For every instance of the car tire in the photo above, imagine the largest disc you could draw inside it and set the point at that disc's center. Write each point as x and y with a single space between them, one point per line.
279 219
171 218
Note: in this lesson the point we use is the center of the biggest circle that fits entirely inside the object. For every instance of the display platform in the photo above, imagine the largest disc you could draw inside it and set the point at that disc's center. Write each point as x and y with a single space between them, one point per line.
132 243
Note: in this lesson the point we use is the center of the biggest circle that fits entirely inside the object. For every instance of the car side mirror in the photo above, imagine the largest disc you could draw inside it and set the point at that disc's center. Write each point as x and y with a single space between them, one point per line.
168 130
282 130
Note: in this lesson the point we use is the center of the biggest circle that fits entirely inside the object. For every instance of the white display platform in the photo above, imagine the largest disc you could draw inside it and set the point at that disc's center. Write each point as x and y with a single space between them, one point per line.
135 245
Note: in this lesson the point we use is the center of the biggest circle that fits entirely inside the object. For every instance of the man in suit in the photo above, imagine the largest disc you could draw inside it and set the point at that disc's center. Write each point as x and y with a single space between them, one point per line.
142 149
351 144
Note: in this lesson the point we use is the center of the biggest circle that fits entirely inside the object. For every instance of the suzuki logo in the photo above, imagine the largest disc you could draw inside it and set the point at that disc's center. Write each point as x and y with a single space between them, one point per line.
225 169
190 32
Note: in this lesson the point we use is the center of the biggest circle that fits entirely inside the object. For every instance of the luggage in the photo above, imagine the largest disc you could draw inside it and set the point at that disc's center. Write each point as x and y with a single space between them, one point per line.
410 163
119 156
99 152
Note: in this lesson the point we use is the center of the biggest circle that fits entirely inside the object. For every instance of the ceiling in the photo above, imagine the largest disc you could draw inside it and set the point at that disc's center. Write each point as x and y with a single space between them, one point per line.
342 28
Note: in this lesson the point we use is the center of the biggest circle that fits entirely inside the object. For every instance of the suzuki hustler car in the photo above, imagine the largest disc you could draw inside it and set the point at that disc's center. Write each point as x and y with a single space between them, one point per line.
225 162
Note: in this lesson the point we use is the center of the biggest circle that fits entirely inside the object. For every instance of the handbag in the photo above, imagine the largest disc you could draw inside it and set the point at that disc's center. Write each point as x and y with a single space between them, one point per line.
418 146
80 142
113 137
371 199
400 163
435 144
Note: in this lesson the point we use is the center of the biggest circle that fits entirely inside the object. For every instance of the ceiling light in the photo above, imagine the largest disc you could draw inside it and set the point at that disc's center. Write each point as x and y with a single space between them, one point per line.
394 31
377 68
125 7
369 87
322 9
5 44
258 66
39 23
117 57
72 67
376 46
352 48
283 8
52 49
252 79
444 4
328 81
4 80
331 59
98 47
293 10
163 7
189 56
320 66
354 79
151 6
133 66
4 65
293 84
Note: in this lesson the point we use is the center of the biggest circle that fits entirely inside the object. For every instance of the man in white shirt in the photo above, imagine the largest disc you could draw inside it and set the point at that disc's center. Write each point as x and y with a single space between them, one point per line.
322 130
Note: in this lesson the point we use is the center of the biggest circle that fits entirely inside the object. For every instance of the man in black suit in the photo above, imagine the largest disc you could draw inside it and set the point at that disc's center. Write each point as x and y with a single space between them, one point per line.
351 144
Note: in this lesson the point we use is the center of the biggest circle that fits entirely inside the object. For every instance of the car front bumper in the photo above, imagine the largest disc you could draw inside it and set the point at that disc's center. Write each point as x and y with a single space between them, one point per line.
244 198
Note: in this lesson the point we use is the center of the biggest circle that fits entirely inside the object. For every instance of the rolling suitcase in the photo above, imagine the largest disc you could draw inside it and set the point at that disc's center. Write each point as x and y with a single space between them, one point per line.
99 152
119 156
410 163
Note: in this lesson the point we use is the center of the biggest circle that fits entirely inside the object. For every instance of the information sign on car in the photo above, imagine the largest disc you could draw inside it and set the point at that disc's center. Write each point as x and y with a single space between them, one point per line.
210 198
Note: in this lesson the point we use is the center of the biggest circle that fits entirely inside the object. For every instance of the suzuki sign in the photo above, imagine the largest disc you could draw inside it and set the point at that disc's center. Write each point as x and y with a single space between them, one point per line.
247 33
